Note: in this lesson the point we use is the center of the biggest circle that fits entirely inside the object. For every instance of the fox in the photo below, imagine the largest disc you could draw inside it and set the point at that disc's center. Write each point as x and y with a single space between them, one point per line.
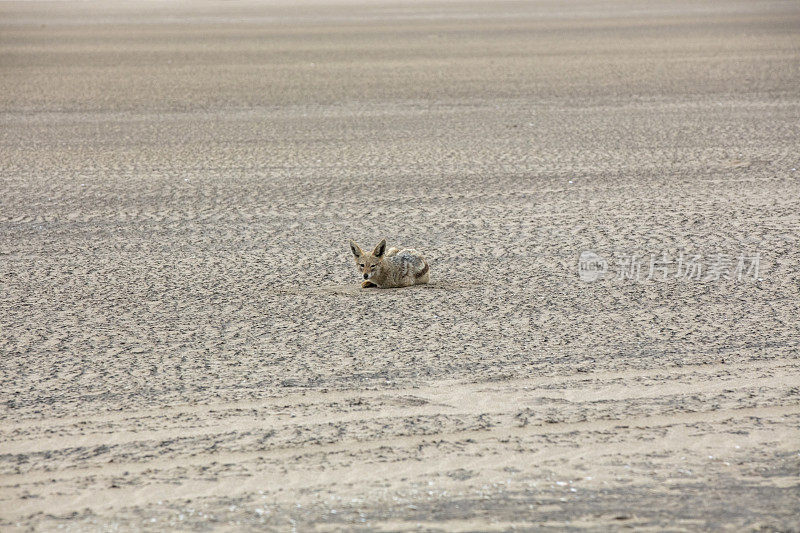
386 269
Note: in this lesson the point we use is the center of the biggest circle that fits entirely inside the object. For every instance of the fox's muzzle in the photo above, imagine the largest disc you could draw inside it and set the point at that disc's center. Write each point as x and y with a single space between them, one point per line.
366 276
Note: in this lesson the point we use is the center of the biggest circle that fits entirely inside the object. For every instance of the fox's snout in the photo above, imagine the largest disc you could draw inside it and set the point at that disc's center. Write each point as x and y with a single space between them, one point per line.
366 276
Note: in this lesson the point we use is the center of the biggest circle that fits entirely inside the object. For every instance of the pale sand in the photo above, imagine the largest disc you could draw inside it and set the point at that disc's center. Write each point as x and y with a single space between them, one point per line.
183 342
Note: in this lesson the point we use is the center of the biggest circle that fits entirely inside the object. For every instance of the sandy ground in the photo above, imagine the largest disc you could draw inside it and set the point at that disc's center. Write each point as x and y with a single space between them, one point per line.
183 340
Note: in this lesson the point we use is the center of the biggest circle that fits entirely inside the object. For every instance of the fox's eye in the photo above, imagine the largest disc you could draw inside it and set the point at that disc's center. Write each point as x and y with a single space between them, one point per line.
361 265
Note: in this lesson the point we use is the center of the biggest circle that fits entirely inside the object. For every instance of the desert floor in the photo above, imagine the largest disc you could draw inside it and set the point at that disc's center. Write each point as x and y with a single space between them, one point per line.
184 342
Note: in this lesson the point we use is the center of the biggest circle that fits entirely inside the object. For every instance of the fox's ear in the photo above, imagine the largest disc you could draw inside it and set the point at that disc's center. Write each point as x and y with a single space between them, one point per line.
378 251
356 249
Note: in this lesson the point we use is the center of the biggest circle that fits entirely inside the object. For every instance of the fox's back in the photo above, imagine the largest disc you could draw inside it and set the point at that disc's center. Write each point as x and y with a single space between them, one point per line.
410 264
404 255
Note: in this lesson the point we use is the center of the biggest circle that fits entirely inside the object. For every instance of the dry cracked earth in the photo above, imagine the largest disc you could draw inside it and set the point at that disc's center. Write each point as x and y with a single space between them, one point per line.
184 344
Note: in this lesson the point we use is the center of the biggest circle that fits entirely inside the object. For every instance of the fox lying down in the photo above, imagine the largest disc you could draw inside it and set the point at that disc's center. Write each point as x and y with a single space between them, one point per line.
391 268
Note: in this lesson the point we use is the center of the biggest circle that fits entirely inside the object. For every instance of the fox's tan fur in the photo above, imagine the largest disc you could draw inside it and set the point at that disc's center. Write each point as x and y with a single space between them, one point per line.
391 268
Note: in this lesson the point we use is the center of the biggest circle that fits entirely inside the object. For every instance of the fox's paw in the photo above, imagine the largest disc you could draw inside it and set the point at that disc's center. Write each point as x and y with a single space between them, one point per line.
366 284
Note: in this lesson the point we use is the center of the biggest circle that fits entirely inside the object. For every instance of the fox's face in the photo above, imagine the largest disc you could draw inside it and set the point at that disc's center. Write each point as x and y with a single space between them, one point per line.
369 264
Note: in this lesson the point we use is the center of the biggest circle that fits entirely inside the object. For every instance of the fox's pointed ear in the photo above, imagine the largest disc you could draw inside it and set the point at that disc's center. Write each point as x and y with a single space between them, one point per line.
378 252
356 249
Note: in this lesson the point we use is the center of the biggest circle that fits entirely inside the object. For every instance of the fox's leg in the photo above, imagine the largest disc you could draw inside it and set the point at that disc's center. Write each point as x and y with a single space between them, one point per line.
413 268
422 275
367 283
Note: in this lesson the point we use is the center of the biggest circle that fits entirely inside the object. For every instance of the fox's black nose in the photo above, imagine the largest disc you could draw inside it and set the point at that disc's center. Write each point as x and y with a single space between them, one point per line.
366 276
